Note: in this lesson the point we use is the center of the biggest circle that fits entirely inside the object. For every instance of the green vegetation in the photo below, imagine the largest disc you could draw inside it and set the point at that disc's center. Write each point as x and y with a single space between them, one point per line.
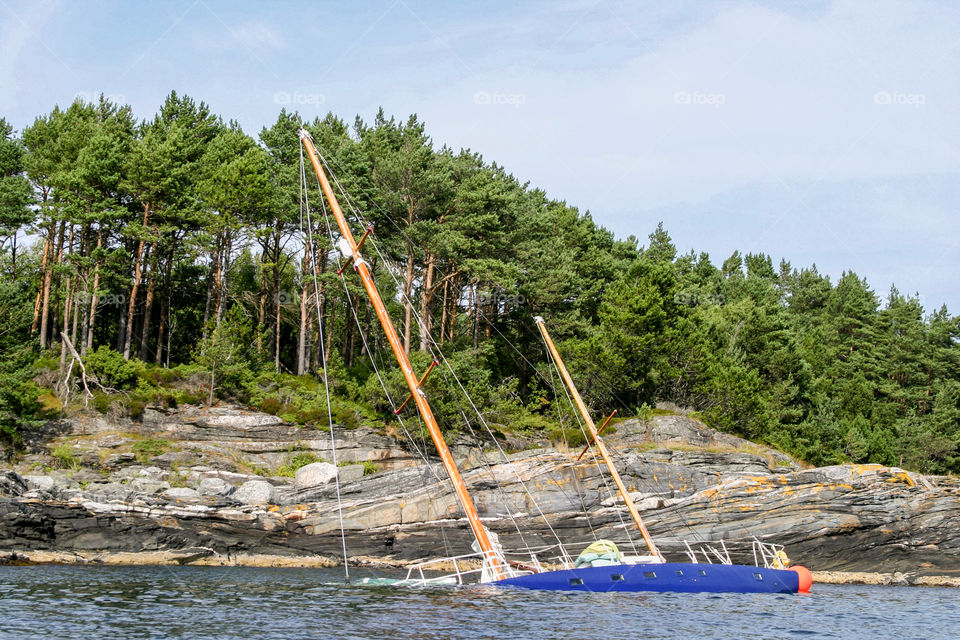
146 449
289 470
65 457
169 252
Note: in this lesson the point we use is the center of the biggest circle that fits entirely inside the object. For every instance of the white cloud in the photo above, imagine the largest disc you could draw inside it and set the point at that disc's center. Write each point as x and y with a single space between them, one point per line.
255 36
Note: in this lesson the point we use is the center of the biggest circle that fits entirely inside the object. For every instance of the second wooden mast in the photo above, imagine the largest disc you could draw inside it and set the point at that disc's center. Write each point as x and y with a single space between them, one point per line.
595 437
351 251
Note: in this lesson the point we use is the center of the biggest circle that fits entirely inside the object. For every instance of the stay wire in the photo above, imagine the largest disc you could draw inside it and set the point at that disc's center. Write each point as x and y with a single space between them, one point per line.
305 205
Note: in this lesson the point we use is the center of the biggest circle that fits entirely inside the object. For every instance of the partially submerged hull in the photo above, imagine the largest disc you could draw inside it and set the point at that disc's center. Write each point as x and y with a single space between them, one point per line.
670 576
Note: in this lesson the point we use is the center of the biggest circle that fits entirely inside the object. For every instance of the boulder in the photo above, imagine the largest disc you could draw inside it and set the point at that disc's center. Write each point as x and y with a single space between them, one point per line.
181 493
254 492
40 483
215 487
315 474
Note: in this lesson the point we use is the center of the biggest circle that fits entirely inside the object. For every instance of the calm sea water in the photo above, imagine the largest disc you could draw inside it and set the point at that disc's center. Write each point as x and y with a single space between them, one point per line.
200 602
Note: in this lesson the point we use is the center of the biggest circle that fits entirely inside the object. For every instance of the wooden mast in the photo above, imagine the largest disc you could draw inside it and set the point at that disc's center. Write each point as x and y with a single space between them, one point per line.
592 429
351 250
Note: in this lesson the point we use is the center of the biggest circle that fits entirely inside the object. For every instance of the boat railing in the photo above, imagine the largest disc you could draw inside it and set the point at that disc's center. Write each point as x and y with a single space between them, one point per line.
466 569
765 554
771 555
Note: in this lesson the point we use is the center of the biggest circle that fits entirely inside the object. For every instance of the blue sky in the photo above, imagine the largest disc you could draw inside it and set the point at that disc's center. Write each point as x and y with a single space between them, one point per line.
822 132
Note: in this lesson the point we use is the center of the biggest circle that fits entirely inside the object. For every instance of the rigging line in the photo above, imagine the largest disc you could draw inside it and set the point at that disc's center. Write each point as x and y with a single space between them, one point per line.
603 477
305 204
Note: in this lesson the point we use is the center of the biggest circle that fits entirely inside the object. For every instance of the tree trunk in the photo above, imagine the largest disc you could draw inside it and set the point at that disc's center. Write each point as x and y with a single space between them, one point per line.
148 302
223 281
426 300
94 299
44 268
47 283
214 274
443 311
407 304
475 299
305 276
67 306
164 306
137 271
277 300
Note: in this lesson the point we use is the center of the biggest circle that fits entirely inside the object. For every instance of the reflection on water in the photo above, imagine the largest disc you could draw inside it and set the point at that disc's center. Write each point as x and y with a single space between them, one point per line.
207 602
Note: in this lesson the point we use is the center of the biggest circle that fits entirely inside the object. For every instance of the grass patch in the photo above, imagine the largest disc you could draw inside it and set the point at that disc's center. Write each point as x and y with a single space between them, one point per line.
146 449
302 459
65 457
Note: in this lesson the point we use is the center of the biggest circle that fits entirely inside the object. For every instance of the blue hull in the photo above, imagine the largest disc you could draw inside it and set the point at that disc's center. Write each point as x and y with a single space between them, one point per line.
671 576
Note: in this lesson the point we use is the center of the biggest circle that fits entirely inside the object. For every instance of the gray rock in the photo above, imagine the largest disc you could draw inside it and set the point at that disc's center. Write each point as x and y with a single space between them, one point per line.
215 487
11 484
148 485
111 441
40 483
153 473
314 475
350 473
181 493
112 491
119 459
254 492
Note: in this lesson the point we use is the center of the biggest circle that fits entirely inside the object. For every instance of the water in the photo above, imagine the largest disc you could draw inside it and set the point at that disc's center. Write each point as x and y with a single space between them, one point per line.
205 602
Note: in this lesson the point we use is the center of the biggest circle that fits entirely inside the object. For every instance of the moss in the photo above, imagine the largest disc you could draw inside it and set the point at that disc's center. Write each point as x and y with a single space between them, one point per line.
50 405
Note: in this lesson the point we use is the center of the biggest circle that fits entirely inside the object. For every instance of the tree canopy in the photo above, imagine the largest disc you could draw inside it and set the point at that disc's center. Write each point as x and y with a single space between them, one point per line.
176 244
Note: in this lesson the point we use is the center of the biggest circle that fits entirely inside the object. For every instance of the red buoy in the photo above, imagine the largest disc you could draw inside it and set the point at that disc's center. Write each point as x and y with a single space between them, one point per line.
806 578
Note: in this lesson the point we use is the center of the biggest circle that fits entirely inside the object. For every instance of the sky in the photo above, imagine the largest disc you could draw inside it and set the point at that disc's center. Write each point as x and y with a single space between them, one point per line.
821 132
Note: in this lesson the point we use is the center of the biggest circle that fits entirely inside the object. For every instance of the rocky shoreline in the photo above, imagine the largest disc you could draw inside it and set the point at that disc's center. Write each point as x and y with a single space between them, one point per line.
209 558
207 495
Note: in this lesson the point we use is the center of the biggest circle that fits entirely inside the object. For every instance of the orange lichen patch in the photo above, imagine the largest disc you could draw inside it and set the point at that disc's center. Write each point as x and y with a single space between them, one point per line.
863 469
903 477
273 508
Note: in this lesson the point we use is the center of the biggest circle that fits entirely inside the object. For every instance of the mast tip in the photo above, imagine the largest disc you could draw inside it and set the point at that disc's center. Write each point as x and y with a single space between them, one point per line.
538 319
